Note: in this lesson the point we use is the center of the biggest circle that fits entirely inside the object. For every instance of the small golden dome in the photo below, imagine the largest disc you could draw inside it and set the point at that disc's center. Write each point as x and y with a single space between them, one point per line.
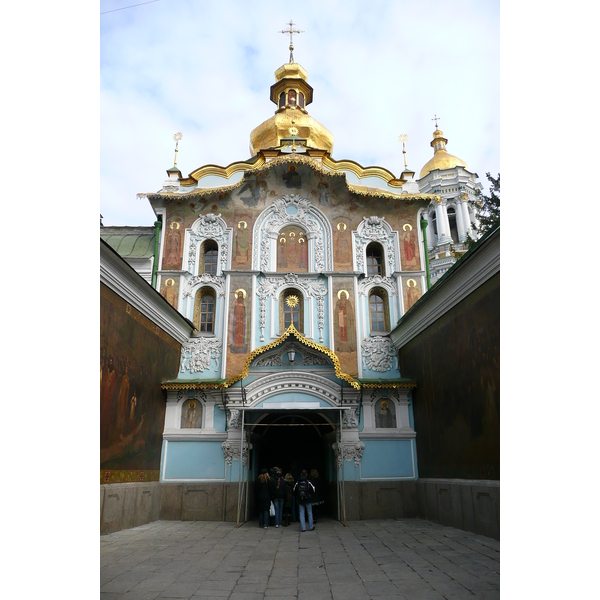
291 93
441 158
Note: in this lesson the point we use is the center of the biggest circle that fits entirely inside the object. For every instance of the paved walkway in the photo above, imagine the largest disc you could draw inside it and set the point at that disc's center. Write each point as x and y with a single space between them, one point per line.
411 559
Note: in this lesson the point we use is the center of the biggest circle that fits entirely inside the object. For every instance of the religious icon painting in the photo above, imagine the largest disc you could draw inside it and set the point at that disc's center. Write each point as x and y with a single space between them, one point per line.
342 247
242 240
291 176
292 250
191 414
344 324
173 245
411 288
385 414
239 328
409 248
169 290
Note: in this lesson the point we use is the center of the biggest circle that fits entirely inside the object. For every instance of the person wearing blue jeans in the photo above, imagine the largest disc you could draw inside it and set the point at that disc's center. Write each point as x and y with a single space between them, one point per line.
278 502
304 490
278 489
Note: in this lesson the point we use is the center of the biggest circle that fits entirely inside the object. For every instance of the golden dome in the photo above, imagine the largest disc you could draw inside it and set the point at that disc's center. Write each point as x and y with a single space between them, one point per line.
291 93
269 134
441 158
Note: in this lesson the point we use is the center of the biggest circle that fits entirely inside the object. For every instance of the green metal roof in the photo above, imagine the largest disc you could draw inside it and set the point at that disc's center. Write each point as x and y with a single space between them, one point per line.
130 242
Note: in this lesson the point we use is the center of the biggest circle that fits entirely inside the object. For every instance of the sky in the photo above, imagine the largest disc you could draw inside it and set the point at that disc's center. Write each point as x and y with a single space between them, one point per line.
204 69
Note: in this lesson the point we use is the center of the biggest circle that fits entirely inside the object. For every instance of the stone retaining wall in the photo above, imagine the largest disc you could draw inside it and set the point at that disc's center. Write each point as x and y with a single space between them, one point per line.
472 505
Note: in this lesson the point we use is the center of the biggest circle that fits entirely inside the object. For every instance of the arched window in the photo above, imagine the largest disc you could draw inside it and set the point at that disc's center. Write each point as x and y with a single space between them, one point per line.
292 97
204 310
379 314
209 256
375 260
282 100
291 310
453 226
301 100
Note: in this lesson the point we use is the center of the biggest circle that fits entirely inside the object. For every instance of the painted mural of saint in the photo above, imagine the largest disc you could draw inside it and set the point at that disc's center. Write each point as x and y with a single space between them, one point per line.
412 294
281 254
242 243
239 324
344 324
173 246
342 252
409 246
190 415
385 416
292 177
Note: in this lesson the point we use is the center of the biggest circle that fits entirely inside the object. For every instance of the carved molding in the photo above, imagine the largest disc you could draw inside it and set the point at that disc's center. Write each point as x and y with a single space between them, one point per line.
235 419
389 283
378 353
197 354
217 281
374 229
350 420
213 227
301 213
231 451
275 359
351 451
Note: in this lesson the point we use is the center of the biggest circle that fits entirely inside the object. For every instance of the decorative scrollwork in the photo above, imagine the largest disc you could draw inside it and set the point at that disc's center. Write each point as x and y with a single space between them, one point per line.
378 353
231 450
197 354
352 451
389 283
217 281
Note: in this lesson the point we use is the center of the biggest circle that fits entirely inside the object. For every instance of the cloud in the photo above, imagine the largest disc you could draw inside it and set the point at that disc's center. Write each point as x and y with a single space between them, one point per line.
206 69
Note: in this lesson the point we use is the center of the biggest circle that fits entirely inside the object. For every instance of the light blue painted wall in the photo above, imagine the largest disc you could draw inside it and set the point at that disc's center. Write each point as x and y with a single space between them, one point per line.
193 460
220 419
388 459
296 397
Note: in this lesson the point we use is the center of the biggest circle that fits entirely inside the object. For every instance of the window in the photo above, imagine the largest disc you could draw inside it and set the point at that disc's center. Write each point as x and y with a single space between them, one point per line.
291 310
452 223
209 254
301 100
204 310
374 259
292 97
282 100
378 310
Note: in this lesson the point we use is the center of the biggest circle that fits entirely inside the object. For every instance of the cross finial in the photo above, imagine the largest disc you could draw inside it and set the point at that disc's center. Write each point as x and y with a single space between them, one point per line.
177 137
436 119
291 31
402 138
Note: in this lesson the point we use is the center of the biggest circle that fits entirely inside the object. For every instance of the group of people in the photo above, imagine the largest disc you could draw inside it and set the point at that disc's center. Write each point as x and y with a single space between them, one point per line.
293 499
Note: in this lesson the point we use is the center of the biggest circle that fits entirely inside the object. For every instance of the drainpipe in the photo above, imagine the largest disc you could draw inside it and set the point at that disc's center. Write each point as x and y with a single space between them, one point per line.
157 225
424 229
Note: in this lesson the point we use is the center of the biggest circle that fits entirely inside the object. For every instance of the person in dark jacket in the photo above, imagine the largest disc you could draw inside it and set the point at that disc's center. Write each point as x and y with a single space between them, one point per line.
278 489
264 498
304 491
289 501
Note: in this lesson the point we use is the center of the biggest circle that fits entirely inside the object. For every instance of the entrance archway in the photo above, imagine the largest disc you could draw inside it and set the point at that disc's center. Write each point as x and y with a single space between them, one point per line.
298 439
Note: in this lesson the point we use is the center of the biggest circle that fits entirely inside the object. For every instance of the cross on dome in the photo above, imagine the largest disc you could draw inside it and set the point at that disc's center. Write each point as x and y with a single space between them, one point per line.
291 31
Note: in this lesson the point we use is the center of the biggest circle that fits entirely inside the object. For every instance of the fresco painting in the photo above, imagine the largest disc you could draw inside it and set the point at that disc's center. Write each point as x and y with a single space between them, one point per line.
342 245
191 415
135 357
169 290
292 250
385 414
411 289
409 248
344 324
173 245
242 240
238 336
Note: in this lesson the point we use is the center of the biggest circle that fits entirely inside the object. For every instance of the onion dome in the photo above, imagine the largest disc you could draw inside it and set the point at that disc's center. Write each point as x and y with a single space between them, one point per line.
441 159
291 93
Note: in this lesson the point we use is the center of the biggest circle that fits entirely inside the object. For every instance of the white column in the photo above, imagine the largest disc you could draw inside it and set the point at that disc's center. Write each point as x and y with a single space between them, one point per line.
209 416
464 207
442 223
460 222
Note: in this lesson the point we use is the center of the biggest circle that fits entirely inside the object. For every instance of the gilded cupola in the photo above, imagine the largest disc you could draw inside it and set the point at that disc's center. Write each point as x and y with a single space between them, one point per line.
441 158
291 93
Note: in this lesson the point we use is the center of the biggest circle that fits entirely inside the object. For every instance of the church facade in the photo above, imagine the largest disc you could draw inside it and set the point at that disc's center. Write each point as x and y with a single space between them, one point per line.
291 270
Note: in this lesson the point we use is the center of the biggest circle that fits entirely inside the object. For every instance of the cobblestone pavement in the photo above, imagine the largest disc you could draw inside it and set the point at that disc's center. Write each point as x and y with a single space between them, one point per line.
411 559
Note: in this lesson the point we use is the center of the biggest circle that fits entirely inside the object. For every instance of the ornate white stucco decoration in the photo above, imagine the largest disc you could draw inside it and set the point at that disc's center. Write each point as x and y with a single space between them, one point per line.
208 227
378 353
217 281
269 287
352 451
375 229
235 419
197 354
350 420
231 450
389 283
293 209
304 357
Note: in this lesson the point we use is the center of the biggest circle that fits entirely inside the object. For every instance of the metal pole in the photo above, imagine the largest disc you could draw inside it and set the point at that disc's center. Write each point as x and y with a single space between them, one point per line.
240 472
343 488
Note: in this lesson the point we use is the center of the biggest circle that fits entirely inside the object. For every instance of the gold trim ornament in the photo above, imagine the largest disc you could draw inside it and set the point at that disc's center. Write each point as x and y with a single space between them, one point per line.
292 301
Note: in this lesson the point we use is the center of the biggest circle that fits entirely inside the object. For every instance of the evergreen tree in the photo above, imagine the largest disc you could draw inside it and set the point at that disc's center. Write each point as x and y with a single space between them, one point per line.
488 208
